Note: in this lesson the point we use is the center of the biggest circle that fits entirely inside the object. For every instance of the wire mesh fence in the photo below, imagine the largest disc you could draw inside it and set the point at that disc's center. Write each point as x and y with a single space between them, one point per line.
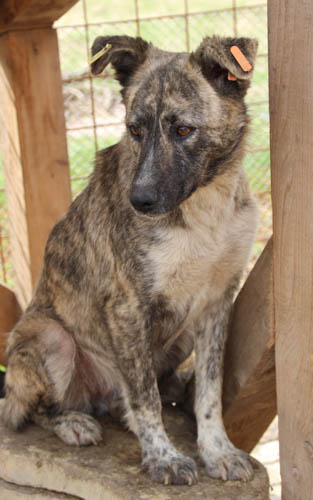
93 110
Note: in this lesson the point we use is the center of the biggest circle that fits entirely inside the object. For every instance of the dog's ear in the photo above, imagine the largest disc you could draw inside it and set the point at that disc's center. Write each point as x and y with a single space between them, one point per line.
125 54
227 63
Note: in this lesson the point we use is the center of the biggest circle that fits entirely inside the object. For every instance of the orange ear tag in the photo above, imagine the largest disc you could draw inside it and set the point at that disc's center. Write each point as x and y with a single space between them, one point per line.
241 58
231 77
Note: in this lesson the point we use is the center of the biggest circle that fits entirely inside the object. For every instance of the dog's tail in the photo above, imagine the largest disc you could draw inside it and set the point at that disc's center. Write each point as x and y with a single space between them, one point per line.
24 387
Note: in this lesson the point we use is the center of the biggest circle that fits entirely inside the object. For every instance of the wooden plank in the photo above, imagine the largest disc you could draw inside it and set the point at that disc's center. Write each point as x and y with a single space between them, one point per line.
18 14
34 147
291 120
249 395
9 313
9 9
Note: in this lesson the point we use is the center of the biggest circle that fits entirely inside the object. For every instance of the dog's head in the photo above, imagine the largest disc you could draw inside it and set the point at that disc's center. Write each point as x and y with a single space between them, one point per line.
185 114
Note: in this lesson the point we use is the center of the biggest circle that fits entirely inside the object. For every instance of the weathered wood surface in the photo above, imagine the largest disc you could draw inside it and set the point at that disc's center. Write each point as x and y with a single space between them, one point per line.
34 147
20 14
249 395
37 459
9 314
291 120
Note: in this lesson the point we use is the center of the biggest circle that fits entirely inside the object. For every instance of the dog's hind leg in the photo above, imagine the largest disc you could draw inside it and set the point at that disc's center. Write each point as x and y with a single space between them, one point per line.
26 383
40 370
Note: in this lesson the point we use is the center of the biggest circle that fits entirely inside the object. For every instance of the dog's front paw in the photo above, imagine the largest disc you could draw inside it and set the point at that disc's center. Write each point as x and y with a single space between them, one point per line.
176 469
232 464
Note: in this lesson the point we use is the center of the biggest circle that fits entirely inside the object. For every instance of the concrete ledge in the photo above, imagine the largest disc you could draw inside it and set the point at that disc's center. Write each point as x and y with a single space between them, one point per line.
9 491
36 464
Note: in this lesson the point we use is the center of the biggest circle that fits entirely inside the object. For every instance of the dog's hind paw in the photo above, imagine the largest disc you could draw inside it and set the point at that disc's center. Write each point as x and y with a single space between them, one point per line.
175 470
78 429
232 465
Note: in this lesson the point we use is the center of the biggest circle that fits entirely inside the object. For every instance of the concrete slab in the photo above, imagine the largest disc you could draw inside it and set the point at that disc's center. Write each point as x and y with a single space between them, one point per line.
36 464
9 491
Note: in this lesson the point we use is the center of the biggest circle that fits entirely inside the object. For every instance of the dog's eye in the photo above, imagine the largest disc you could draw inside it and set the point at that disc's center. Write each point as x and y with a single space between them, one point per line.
183 131
136 131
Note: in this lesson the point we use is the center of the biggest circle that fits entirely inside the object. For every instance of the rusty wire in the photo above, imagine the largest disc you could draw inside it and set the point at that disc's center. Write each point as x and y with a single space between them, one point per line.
86 76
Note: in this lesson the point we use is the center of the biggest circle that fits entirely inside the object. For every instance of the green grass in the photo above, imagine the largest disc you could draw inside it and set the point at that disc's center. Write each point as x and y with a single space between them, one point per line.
257 166
81 152
170 34
108 11
165 33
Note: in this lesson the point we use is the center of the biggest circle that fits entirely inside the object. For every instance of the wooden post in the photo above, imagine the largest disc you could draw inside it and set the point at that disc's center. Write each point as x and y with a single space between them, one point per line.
33 139
9 314
20 14
291 120
249 395
33 147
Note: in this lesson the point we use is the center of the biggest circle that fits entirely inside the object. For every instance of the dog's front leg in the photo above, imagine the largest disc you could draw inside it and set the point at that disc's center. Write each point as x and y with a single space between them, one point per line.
221 458
133 349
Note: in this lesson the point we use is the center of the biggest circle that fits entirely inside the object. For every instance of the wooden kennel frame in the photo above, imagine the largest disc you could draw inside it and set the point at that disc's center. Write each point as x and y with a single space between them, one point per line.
272 324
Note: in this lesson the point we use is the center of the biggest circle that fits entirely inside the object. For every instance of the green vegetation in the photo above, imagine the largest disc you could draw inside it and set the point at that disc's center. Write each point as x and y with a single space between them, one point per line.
81 156
82 151
108 11
167 33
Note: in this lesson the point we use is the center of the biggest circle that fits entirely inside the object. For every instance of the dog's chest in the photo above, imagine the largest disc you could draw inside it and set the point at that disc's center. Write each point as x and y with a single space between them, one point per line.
188 267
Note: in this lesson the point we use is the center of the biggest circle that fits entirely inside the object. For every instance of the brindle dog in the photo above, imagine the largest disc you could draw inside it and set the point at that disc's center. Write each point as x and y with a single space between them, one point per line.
145 264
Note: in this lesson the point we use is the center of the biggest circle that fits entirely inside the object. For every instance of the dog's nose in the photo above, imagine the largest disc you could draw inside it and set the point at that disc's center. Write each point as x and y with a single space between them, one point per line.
144 199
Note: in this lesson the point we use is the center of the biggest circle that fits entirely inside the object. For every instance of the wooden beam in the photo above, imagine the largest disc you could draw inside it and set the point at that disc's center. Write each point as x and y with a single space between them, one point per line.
19 14
34 147
9 314
291 123
249 396
10 9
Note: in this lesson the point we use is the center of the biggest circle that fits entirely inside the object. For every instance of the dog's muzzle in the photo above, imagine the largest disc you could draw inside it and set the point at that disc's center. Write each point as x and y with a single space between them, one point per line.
144 199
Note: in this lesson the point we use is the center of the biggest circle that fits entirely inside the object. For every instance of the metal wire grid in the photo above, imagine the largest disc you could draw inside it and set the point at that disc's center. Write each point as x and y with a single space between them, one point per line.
93 110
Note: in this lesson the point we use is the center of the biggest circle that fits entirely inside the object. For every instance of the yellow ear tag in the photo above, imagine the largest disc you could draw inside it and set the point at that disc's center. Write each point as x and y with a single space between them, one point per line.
100 53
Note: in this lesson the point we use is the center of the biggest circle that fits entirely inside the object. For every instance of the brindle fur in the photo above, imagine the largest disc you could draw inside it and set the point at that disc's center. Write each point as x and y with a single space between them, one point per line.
125 293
